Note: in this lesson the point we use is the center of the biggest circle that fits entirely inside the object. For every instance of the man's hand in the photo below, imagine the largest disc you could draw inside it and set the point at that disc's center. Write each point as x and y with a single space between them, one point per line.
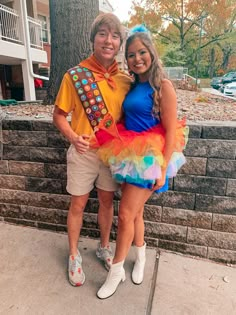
81 143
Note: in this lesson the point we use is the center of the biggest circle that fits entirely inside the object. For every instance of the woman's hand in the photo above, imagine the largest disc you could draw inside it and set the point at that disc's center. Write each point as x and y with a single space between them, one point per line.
81 143
160 181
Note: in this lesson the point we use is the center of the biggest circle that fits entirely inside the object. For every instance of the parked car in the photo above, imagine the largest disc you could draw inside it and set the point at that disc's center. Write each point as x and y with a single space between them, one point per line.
216 82
229 77
230 89
219 82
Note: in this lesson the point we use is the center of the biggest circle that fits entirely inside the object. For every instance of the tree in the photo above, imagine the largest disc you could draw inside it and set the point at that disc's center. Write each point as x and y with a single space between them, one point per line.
182 22
70 22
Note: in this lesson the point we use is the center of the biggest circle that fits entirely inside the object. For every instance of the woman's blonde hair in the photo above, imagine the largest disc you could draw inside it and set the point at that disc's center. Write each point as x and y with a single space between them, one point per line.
111 21
156 71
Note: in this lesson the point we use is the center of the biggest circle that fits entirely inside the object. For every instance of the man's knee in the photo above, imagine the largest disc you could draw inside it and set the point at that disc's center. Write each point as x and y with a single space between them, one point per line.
78 204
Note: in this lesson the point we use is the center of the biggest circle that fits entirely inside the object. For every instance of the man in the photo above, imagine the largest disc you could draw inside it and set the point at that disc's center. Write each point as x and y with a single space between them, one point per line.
84 170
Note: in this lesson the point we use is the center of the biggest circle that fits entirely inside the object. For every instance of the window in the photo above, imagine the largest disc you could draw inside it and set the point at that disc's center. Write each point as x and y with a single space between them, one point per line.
43 20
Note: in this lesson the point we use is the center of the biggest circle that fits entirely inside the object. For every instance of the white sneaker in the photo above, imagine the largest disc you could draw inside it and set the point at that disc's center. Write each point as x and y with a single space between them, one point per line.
105 254
75 271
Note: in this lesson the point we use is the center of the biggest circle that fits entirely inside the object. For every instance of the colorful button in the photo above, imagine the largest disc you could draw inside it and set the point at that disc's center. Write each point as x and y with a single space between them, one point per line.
77 84
98 98
87 88
84 81
86 104
92 101
94 108
101 105
97 114
93 86
88 74
79 70
90 80
88 110
94 123
91 117
108 123
83 97
85 69
80 91
89 95
96 92
96 129
72 72
104 111
75 77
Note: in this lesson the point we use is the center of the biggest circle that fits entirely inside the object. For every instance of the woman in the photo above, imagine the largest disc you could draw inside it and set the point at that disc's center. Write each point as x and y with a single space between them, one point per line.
147 152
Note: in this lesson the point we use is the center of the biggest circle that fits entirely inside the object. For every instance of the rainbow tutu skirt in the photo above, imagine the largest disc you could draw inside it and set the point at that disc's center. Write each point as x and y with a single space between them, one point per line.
137 157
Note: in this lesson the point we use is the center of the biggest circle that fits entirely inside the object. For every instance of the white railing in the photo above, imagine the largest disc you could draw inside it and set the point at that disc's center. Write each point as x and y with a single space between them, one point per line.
35 32
9 28
9 25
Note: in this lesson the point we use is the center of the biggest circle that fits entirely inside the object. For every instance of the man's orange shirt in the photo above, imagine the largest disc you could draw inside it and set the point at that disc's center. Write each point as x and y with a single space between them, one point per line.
68 101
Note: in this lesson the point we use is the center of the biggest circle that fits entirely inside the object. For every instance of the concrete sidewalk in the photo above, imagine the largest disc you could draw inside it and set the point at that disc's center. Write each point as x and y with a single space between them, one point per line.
33 280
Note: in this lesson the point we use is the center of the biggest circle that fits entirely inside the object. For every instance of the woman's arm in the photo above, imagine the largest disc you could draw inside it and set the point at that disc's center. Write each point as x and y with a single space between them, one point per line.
168 114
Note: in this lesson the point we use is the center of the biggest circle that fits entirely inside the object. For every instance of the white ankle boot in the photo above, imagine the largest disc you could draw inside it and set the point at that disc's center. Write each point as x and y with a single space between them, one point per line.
115 275
137 273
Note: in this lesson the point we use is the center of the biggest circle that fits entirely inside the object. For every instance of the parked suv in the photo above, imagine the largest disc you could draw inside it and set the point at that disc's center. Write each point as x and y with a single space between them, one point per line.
219 82
229 77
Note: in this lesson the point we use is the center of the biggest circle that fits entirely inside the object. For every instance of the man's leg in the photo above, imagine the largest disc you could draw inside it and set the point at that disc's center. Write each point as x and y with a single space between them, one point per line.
74 221
74 224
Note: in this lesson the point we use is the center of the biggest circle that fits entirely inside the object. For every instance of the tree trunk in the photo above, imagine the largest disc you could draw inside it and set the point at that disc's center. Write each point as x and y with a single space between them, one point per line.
212 61
70 23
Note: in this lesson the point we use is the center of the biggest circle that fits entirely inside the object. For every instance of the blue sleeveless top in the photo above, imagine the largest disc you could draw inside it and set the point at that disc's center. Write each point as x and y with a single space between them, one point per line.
138 106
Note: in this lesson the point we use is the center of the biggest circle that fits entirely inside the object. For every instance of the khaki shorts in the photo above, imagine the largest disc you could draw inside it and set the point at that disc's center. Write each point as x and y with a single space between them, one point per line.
84 171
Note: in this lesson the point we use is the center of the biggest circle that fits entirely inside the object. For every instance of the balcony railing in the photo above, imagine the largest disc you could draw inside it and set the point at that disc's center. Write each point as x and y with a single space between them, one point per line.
10 30
9 25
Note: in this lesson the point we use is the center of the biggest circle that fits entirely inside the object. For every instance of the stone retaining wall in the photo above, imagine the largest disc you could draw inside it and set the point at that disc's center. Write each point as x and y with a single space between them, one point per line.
197 216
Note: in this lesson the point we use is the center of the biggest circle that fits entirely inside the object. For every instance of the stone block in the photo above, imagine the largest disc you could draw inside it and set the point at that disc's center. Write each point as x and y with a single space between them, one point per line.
10 210
165 231
55 171
48 155
195 131
222 255
26 168
200 184
194 166
212 238
43 125
187 217
231 188
92 205
221 168
25 138
43 185
219 132
211 149
181 200
21 222
152 213
12 182
46 215
44 200
216 204
224 223
57 140
4 167
90 220
184 248
16 153
17 124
